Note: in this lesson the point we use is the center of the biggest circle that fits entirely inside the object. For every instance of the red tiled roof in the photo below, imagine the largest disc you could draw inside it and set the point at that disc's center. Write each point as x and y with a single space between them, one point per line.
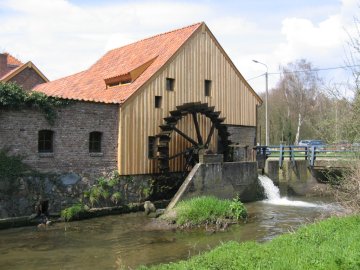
11 60
89 85
13 64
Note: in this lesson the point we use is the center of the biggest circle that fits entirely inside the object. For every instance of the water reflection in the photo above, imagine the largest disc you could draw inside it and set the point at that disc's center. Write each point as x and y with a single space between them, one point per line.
109 242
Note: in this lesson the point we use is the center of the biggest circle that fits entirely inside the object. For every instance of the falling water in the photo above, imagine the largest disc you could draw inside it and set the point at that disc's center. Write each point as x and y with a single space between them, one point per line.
272 194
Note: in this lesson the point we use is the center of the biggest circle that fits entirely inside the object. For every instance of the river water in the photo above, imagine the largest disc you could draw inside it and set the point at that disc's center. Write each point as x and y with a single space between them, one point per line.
127 240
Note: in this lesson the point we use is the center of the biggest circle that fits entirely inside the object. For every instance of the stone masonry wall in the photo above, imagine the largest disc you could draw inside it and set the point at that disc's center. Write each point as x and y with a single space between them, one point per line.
242 135
28 78
243 140
19 135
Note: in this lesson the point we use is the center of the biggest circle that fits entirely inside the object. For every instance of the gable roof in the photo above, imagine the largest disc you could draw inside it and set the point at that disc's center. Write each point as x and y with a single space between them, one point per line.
90 85
15 66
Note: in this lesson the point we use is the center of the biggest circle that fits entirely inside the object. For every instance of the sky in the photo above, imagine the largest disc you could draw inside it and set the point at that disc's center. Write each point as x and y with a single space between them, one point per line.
62 37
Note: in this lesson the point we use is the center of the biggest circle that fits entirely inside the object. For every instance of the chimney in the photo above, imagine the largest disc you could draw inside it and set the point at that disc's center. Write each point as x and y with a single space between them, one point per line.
3 64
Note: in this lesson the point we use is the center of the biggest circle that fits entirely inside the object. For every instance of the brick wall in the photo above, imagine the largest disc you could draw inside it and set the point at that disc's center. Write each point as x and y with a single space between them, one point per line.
19 134
28 78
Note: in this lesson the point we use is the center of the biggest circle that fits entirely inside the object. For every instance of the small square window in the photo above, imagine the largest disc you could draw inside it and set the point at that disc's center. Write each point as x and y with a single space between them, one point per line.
170 84
158 100
152 147
95 142
207 88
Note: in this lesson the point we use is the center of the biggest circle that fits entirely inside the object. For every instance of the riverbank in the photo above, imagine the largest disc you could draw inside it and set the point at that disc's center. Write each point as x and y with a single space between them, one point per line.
330 244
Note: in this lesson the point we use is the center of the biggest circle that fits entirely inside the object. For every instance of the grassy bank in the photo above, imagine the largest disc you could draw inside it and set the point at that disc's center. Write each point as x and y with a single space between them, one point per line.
206 210
329 244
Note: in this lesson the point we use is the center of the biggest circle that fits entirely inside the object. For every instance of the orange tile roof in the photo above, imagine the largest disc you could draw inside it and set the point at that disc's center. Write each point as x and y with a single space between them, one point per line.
89 85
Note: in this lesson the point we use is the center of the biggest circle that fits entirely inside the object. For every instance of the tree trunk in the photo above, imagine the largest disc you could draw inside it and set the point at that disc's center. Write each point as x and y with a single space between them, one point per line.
298 130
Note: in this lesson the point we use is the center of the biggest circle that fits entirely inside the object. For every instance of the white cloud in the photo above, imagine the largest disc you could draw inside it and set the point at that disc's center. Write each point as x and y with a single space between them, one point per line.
62 38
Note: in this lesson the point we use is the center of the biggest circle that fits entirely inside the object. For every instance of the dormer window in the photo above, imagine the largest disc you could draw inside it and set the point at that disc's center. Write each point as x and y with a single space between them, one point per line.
128 77
119 80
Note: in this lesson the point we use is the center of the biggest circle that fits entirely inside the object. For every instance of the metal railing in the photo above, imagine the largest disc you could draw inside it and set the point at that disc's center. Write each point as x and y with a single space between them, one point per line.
310 153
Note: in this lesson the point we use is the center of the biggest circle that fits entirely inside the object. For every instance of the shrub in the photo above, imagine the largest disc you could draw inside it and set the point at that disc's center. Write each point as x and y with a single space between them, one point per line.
116 197
347 188
72 211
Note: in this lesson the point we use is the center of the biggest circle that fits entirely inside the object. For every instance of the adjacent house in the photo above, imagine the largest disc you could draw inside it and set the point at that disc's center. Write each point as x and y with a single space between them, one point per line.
144 108
12 70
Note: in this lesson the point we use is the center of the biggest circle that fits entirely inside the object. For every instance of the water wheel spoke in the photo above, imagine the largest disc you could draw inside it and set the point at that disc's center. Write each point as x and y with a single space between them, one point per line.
185 136
210 135
181 153
197 128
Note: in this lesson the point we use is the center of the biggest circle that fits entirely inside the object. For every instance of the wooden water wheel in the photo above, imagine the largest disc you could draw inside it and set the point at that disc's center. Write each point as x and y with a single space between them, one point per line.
190 154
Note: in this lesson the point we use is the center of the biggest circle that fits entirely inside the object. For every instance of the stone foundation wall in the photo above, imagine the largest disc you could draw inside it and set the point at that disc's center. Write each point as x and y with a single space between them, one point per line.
18 198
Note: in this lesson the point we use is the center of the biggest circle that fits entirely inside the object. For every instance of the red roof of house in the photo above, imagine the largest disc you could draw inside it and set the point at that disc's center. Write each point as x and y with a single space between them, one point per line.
89 85
12 65
11 60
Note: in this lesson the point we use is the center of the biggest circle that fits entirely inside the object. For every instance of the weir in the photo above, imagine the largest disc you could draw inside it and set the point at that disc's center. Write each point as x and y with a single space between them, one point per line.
272 194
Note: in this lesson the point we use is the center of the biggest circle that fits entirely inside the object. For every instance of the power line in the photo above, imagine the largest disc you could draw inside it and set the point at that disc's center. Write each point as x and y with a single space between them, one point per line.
314 70
308 70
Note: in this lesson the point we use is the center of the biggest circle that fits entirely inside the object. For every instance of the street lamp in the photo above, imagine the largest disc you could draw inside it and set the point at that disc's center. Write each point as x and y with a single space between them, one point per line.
267 140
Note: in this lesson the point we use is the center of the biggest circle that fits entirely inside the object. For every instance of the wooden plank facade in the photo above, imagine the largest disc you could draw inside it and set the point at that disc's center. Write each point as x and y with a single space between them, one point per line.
200 58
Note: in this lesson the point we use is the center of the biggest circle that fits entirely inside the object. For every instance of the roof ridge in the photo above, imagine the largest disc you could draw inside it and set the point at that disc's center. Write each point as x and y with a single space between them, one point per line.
157 35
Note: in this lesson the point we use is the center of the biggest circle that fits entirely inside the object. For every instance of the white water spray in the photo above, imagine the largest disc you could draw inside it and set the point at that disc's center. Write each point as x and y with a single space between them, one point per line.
272 194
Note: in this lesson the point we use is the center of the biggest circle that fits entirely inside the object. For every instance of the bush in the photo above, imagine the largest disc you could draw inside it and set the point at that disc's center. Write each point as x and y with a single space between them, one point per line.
208 209
347 188
73 211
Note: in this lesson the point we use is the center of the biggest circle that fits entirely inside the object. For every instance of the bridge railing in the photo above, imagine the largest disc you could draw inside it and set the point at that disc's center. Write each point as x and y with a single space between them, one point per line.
310 153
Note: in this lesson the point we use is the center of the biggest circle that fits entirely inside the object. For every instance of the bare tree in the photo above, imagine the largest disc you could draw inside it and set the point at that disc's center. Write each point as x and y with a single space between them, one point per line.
300 87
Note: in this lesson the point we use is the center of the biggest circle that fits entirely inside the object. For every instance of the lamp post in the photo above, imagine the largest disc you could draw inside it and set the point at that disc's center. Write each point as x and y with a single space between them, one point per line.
267 140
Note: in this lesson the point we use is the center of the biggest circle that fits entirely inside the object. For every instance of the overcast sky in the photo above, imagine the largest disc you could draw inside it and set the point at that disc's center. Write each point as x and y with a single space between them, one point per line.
62 37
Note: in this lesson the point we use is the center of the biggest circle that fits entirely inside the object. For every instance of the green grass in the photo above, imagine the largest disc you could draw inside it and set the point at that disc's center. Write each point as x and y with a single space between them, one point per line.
207 209
72 211
330 244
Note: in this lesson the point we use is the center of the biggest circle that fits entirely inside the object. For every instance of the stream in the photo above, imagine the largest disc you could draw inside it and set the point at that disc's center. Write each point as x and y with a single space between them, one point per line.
127 240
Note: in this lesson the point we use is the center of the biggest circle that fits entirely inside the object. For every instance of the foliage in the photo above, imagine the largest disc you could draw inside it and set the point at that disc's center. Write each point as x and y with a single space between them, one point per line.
329 244
105 192
346 188
72 211
207 209
116 197
13 96
237 209
11 167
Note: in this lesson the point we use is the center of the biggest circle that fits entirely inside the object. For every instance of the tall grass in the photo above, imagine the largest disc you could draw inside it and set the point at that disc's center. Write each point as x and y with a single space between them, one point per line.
207 209
329 244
